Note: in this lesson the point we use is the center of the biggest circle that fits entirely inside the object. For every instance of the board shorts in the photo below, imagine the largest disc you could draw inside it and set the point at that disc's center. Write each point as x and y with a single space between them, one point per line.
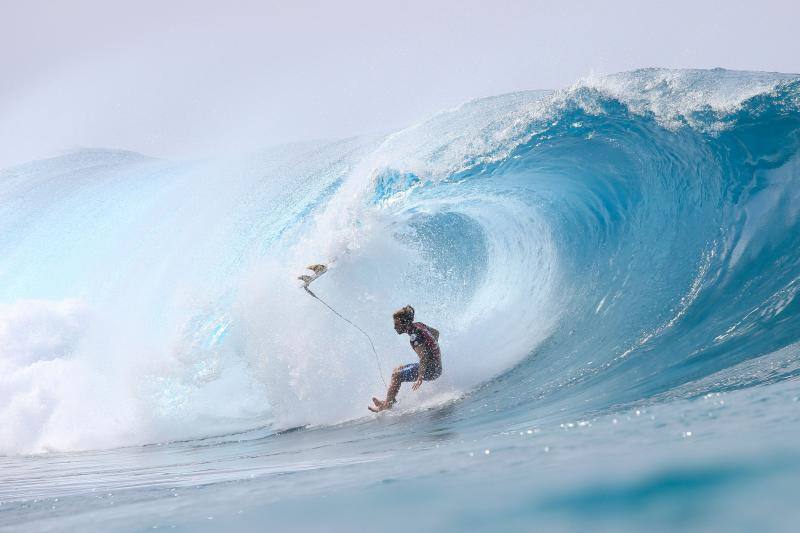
410 372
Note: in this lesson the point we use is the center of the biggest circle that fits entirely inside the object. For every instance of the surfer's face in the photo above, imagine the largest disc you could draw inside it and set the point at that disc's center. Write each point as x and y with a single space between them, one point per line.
399 326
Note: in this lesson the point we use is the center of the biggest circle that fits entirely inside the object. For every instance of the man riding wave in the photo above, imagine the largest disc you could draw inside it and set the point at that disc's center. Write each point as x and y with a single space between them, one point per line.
425 342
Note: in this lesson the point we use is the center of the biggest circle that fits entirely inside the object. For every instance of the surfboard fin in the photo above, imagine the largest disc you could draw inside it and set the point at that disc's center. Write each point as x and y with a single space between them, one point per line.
317 270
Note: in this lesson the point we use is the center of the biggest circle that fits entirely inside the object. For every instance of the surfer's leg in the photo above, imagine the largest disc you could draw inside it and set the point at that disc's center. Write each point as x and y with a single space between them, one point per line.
394 386
401 374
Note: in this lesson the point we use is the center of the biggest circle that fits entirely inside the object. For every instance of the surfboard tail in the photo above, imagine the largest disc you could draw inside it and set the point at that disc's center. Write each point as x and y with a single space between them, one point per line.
317 269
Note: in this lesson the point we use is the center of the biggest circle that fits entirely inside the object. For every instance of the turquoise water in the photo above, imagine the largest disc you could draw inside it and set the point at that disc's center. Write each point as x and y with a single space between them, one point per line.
613 268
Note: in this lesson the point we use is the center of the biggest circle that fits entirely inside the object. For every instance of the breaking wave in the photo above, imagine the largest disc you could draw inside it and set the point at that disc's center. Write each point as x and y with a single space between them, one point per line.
612 242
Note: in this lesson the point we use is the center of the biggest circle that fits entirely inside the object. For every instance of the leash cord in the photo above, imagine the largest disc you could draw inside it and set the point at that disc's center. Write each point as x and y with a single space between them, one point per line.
377 359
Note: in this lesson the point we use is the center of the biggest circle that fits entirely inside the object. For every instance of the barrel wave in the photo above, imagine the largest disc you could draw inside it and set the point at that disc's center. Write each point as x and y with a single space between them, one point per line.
630 244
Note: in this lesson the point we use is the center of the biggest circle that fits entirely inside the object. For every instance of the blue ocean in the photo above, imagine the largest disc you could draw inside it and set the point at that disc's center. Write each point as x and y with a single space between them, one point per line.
614 268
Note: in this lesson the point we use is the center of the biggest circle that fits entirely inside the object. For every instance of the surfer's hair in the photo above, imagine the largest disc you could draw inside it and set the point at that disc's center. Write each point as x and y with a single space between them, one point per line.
404 315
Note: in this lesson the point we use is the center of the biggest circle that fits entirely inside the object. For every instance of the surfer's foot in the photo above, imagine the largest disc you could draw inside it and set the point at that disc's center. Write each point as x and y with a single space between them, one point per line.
379 405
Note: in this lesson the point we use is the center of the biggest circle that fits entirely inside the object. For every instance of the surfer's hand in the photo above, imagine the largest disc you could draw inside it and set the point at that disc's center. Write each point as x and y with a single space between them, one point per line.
416 384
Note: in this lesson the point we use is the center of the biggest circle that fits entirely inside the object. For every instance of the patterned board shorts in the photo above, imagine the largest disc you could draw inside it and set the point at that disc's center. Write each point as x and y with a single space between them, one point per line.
410 372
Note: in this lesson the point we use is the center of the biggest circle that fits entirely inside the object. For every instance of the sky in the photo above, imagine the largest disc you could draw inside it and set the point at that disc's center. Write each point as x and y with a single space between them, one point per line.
191 78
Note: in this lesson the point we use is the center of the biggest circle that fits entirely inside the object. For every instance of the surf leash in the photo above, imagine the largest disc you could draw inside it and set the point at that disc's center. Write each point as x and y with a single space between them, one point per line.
318 271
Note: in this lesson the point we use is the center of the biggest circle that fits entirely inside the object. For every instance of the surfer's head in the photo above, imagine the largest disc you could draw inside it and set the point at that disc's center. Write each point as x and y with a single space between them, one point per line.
403 318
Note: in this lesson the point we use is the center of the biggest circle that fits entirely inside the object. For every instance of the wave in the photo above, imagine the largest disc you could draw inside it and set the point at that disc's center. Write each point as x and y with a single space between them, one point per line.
607 243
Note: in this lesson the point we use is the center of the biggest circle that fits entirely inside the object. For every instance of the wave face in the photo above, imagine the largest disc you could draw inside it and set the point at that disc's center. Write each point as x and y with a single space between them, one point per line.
623 240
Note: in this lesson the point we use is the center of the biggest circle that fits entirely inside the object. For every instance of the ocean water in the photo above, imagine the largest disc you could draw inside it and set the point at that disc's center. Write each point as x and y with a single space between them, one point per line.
614 268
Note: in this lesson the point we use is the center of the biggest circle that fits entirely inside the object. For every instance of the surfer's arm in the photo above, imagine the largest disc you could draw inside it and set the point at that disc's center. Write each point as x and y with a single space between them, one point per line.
423 364
435 333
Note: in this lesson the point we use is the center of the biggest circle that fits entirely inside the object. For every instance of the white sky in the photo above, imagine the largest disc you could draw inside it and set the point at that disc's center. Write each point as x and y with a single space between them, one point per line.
186 78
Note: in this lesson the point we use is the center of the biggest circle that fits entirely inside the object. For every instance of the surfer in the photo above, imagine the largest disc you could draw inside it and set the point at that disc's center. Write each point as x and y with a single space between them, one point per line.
424 341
